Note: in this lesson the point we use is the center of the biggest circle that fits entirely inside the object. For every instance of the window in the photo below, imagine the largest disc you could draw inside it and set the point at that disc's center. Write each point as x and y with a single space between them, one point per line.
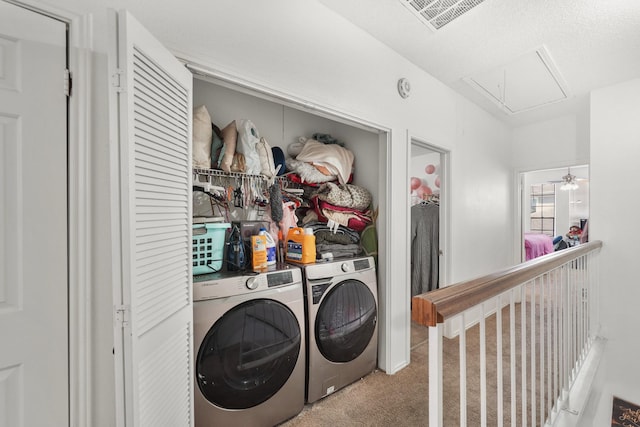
543 209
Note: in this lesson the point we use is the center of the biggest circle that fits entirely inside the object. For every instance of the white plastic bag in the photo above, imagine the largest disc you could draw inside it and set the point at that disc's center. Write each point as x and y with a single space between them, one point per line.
267 168
248 137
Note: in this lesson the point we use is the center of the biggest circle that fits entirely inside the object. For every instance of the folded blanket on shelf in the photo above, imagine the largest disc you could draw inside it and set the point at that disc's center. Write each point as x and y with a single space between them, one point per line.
337 250
333 157
345 195
325 235
307 172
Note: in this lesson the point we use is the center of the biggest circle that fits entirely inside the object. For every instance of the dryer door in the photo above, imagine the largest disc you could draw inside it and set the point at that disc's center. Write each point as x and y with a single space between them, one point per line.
345 321
248 354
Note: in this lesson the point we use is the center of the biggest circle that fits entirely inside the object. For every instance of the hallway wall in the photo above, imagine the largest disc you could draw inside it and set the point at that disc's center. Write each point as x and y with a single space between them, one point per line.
615 149
552 143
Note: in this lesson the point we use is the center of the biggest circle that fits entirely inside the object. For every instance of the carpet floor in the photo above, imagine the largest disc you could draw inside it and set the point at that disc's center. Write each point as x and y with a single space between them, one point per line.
401 399
377 399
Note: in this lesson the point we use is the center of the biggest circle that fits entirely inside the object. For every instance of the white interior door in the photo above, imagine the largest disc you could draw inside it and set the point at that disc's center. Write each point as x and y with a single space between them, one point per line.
33 227
151 170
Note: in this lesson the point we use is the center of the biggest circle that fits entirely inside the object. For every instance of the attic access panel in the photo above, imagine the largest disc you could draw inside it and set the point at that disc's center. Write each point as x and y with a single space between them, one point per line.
528 82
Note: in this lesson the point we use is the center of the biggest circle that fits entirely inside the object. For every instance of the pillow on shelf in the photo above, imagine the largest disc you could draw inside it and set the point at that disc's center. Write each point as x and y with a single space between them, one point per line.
201 138
229 138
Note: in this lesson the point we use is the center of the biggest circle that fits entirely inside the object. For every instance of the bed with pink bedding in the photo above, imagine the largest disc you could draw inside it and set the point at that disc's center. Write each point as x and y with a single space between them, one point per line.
536 245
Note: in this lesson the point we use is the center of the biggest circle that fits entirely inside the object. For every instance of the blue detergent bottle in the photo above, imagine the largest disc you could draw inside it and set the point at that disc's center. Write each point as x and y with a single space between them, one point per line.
271 247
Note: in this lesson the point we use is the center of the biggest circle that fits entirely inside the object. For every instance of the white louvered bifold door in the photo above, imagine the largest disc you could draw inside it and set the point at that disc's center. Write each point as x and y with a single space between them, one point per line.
151 169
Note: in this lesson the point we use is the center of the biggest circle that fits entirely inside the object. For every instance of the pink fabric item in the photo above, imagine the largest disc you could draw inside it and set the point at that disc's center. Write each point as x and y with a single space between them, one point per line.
347 217
536 245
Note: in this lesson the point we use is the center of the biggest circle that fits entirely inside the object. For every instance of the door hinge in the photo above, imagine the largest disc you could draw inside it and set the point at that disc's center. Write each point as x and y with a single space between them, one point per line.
116 80
67 82
122 315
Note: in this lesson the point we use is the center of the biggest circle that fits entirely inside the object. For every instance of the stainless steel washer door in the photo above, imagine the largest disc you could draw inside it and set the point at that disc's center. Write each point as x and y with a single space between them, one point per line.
248 354
345 321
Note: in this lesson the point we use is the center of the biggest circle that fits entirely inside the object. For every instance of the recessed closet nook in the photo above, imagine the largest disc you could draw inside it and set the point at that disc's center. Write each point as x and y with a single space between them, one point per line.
282 122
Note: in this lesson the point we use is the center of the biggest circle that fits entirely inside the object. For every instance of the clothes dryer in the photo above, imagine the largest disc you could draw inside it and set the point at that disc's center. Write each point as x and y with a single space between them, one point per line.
342 330
249 337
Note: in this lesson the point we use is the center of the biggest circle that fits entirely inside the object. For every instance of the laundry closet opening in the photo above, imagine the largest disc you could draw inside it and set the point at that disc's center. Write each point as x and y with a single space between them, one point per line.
286 122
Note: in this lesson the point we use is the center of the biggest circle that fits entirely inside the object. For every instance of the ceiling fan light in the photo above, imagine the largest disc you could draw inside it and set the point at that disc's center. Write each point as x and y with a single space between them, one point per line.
569 182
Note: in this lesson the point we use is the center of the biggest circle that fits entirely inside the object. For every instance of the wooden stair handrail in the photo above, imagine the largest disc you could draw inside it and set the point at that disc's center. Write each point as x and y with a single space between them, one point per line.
436 306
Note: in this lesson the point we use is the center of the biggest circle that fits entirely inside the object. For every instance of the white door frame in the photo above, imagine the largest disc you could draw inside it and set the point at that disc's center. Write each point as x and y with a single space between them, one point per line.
445 215
445 207
522 200
79 44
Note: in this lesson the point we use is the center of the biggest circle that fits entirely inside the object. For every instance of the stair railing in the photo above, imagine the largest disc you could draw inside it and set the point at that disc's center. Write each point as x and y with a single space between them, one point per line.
549 306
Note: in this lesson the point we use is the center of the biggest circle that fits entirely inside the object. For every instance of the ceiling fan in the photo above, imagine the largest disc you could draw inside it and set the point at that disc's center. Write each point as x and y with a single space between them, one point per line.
568 181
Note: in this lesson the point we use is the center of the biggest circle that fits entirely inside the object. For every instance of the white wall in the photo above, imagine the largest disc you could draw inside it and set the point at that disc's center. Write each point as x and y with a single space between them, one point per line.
481 196
553 143
304 50
615 150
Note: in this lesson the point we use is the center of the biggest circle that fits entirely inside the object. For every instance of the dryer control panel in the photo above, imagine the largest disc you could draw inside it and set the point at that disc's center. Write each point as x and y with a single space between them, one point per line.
338 267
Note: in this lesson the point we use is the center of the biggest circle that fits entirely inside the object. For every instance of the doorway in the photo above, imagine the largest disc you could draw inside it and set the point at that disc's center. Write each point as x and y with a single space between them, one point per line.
550 207
428 171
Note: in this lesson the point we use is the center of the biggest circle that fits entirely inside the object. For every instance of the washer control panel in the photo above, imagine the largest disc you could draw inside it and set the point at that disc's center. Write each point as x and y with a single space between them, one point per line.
252 283
221 285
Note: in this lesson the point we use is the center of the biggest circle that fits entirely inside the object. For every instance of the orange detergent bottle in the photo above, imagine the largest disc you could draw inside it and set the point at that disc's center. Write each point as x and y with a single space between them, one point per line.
301 245
259 252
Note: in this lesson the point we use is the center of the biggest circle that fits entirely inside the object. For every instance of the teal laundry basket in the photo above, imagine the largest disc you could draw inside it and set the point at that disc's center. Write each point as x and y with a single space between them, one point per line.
208 247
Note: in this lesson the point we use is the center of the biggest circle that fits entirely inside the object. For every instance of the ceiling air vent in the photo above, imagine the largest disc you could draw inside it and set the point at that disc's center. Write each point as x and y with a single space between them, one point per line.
438 13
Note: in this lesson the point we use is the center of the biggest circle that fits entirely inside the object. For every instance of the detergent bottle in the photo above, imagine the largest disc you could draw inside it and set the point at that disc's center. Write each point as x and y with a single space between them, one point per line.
301 245
259 252
271 246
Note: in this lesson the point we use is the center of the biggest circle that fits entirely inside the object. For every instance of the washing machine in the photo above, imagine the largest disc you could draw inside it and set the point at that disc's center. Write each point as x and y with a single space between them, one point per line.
342 324
249 335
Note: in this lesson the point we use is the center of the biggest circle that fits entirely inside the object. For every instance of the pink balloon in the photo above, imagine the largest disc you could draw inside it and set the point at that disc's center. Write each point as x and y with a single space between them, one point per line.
424 190
429 169
415 183
438 181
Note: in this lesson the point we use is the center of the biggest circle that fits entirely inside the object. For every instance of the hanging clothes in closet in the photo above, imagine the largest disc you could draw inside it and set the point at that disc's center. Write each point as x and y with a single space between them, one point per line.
425 247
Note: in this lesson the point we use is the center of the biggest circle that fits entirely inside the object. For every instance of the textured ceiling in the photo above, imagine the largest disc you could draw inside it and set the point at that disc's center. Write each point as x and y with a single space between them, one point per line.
592 43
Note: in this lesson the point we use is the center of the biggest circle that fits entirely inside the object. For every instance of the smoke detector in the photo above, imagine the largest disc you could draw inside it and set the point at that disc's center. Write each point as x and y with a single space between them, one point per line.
404 87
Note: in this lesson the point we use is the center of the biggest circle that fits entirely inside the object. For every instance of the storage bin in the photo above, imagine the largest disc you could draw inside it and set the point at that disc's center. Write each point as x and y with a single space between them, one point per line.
208 247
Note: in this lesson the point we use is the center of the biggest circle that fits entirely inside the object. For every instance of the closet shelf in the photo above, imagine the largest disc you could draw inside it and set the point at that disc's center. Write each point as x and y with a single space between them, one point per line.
223 174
